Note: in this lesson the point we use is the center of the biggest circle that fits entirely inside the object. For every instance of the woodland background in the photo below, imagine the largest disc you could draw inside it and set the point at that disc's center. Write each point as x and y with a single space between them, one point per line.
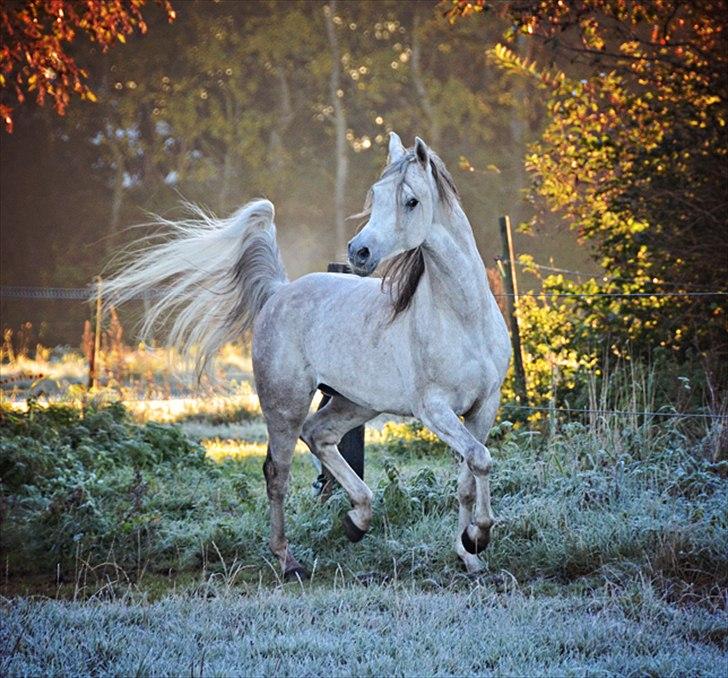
234 100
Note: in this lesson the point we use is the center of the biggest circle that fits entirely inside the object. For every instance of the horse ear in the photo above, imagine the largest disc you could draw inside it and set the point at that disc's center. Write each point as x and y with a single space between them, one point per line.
396 148
421 151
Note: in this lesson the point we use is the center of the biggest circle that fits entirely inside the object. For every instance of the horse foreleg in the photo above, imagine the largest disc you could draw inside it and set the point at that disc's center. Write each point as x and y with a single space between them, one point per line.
466 499
322 432
440 418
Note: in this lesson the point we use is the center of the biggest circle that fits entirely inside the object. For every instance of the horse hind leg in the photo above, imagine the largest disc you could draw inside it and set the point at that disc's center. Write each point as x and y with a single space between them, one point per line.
322 432
282 436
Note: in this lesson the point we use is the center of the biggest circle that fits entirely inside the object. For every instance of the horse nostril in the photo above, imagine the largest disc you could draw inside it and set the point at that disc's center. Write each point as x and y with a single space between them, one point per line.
362 255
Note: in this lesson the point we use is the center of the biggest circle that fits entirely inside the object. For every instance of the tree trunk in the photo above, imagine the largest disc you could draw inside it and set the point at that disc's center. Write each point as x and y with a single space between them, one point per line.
117 191
419 83
283 122
228 153
342 158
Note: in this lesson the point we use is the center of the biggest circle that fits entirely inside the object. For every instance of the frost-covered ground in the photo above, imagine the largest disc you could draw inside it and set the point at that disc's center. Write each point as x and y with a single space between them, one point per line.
129 553
377 630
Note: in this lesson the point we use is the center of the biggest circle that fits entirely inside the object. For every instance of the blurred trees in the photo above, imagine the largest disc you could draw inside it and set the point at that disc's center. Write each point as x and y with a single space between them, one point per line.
235 100
35 46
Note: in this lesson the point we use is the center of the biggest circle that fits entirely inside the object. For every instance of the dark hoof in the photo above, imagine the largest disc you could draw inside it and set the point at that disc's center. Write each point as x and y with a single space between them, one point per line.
471 546
295 574
353 533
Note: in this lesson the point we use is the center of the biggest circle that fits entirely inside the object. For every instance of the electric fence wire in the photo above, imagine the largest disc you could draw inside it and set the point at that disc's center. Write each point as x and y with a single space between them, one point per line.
83 293
86 293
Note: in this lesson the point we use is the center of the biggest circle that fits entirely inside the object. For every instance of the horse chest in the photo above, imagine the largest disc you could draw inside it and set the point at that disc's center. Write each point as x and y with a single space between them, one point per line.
455 363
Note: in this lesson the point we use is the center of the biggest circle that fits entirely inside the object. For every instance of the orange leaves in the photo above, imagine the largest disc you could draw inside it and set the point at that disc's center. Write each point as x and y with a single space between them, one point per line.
460 8
36 34
5 112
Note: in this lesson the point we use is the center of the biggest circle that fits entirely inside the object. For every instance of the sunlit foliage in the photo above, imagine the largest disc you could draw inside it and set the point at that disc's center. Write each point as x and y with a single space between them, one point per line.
633 158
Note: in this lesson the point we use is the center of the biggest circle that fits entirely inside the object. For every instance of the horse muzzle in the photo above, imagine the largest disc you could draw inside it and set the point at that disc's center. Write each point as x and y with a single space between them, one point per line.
361 259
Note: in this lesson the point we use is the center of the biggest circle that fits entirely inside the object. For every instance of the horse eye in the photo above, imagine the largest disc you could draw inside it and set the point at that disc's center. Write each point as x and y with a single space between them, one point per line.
411 203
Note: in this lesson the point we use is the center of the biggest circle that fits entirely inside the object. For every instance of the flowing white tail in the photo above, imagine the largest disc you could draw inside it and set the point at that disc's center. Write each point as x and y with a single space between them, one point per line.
210 278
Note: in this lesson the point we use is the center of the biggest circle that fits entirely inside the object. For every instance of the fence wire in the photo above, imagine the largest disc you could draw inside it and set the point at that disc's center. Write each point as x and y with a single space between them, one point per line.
506 406
627 413
87 293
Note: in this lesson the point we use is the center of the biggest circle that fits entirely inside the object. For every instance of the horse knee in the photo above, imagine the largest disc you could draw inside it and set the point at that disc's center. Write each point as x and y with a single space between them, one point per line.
316 435
307 433
479 460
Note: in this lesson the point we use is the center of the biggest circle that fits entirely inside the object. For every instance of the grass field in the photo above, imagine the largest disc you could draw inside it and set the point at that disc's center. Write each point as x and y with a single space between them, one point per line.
140 548
375 631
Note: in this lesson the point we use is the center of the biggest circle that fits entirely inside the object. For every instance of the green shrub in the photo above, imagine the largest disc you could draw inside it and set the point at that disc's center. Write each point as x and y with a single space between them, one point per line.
93 483
590 503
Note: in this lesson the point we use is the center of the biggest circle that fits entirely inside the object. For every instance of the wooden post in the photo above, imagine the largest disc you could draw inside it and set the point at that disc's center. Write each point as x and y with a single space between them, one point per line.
94 358
511 285
351 446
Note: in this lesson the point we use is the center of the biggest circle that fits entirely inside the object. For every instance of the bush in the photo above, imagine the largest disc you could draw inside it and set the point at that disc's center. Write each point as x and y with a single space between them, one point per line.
92 484
90 491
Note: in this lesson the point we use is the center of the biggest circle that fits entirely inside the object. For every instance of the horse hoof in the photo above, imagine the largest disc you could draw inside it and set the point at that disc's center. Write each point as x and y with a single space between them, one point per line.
353 533
295 573
471 546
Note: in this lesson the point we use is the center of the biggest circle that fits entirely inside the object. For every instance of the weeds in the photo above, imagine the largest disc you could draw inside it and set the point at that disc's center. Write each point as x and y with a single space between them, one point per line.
609 555
92 487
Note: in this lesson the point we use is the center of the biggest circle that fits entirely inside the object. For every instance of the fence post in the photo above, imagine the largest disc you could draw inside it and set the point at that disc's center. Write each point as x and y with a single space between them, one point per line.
351 446
511 284
93 375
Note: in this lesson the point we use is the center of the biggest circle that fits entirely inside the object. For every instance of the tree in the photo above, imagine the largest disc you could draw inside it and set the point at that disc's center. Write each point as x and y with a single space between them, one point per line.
36 36
342 152
633 158
234 101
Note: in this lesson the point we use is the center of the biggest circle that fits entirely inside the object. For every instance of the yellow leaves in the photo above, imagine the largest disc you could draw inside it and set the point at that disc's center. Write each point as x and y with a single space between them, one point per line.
509 61
122 38
465 165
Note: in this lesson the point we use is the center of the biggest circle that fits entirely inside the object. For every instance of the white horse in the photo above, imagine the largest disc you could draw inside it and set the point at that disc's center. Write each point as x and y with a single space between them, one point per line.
427 340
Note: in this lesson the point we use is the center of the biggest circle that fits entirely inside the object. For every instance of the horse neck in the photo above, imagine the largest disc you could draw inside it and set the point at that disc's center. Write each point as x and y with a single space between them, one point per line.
454 272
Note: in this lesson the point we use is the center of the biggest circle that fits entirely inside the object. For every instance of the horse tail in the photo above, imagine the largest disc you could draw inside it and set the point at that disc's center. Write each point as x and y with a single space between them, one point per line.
207 280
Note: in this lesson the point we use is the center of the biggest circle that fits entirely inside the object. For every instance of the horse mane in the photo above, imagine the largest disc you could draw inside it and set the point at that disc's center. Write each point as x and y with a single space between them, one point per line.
403 273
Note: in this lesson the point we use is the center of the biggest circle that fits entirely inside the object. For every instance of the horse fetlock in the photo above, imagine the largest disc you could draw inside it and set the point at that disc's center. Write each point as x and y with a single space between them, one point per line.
466 495
363 498
362 511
